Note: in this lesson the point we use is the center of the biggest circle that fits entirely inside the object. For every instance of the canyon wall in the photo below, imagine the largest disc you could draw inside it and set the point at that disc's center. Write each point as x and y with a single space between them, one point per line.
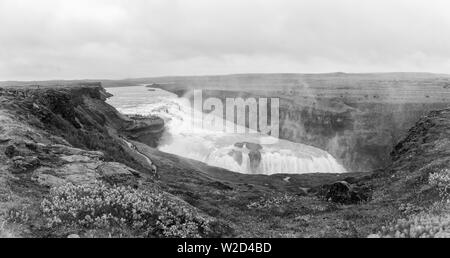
357 118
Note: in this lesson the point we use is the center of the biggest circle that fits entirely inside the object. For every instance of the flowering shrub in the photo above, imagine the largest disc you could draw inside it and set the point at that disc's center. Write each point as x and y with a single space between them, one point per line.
98 206
432 223
441 180
419 226
409 208
265 203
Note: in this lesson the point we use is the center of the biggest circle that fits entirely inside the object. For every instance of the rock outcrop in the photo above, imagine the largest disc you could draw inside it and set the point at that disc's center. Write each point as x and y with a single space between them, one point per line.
145 129
50 161
345 193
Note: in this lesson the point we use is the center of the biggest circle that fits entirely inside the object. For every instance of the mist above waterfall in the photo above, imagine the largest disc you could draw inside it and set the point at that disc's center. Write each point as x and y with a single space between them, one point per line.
250 153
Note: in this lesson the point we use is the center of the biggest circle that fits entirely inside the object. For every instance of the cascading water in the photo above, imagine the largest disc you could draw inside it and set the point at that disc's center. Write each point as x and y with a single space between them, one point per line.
250 153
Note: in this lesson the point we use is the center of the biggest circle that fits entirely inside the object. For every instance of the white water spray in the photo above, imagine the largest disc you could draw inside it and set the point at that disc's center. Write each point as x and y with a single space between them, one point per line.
245 153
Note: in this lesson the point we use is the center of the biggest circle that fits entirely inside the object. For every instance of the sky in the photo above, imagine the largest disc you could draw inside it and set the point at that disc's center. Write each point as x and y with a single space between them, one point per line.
113 39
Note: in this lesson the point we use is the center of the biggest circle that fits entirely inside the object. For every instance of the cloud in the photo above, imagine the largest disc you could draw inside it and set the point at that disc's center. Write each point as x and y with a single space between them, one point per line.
53 39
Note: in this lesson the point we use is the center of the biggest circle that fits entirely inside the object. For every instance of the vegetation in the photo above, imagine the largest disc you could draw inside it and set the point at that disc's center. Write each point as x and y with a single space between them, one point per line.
432 223
272 202
422 225
122 209
441 180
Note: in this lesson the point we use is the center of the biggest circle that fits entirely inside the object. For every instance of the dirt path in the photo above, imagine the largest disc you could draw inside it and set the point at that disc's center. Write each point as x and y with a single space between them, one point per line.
134 148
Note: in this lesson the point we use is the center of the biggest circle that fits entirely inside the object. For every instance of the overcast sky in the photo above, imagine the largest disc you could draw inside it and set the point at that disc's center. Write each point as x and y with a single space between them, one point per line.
75 39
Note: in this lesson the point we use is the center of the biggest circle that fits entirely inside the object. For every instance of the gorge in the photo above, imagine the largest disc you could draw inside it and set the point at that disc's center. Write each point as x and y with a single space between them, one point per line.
57 134
251 153
354 117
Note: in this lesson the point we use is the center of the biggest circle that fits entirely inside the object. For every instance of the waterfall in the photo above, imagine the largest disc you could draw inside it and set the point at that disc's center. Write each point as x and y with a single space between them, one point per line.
249 153
274 161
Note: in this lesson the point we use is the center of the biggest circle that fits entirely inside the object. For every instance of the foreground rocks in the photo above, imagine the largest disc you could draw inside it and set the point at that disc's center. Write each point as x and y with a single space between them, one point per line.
56 165
343 192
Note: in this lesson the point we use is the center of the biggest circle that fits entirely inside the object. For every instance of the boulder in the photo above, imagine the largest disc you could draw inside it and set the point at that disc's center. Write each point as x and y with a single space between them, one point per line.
147 130
49 180
82 179
12 151
117 173
24 164
22 148
76 158
71 151
75 173
344 193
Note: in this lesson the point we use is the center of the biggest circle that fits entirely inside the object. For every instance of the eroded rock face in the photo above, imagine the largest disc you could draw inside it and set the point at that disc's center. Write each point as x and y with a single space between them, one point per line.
253 152
249 145
147 130
56 165
84 167
52 162
356 120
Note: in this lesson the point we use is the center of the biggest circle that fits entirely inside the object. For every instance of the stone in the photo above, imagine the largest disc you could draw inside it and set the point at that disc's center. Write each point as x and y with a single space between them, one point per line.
4 140
302 191
94 154
17 158
64 149
78 168
49 180
75 173
82 179
71 151
11 151
73 236
155 171
344 193
117 173
23 164
76 158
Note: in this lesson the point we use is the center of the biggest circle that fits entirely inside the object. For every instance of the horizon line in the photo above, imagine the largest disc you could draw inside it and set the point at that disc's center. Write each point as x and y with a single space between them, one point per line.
223 75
